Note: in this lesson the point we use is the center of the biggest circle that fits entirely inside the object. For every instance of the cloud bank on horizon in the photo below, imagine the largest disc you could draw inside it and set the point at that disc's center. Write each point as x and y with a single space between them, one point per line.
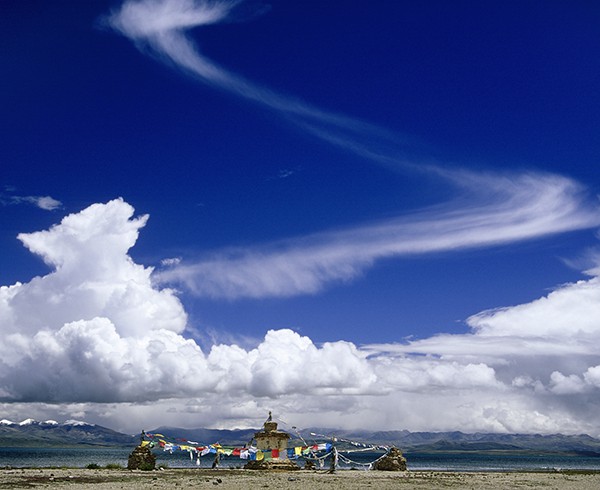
95 338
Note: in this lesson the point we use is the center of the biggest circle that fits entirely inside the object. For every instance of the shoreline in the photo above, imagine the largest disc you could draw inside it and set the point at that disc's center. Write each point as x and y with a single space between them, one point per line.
234 479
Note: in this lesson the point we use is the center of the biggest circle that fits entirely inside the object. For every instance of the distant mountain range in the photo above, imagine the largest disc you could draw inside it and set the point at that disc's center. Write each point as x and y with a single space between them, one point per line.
31 433
424 442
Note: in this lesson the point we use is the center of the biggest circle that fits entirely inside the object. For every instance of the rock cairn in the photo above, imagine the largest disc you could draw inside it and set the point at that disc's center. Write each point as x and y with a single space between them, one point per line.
392 461
142 458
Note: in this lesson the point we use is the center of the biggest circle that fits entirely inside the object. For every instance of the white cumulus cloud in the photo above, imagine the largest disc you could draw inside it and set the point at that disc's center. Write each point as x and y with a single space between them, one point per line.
96 339
95 329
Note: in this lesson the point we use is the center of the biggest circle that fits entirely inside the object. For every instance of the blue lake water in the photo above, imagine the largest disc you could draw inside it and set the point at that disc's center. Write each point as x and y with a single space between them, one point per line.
81 457
500 461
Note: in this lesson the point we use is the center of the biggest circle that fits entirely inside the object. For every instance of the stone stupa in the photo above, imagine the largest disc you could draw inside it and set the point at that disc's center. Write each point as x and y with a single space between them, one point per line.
270 439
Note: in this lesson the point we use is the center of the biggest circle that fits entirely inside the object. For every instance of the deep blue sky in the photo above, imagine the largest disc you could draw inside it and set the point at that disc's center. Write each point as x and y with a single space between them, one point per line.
86 117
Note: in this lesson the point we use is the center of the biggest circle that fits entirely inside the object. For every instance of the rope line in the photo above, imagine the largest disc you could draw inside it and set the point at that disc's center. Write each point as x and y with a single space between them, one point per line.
309 451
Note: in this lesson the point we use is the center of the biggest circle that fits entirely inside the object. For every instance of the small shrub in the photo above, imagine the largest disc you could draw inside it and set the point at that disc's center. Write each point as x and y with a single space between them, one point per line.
93 466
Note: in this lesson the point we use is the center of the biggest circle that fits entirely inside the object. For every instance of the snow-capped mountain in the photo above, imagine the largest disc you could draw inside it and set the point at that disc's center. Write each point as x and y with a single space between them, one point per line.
77 423
31 432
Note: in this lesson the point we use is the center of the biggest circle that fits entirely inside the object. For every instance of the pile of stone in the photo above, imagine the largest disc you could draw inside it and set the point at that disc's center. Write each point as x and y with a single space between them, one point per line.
142 458
392 461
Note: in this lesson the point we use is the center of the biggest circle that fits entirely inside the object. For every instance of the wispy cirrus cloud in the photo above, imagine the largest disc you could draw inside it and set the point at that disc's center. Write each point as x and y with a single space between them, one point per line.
46 203
161 26
493 209
504 210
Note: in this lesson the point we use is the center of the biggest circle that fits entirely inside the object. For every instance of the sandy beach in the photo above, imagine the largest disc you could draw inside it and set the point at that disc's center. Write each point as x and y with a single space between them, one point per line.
107 479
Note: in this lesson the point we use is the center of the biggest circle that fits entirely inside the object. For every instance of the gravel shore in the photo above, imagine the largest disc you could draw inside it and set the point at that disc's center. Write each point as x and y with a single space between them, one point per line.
107 479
